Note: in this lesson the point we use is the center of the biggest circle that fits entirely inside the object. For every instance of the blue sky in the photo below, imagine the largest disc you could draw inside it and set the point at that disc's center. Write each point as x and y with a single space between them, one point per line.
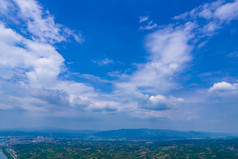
119 64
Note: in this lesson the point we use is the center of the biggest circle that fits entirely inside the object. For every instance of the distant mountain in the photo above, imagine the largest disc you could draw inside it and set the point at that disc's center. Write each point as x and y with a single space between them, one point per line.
156 134
121 134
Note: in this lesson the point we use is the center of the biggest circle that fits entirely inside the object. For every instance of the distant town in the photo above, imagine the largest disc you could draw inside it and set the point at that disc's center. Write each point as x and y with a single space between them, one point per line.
9 141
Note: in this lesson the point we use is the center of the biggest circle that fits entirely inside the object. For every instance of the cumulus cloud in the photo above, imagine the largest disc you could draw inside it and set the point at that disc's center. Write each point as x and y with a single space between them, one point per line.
31 65
225 90
160 102
40 61
223 86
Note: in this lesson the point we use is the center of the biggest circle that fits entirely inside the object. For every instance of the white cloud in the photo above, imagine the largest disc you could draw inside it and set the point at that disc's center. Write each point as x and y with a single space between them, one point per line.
4 6
149 26
181 16
143 19
169 52
160 102
223 92
223 86
216 13
157 98
205 11
105 61
228 11
36 64
40 23
40 61
32 65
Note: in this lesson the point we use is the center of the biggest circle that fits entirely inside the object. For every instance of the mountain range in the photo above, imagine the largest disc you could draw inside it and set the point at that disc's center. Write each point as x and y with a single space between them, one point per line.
121 134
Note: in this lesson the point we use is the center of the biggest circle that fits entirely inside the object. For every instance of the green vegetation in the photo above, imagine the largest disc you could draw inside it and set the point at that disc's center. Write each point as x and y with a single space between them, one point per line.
71 149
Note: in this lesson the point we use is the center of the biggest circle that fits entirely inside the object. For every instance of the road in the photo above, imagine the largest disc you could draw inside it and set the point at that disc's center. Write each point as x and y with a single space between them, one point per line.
11 154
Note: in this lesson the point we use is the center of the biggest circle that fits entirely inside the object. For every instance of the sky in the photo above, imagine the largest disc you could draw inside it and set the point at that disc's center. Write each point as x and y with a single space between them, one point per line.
112 64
